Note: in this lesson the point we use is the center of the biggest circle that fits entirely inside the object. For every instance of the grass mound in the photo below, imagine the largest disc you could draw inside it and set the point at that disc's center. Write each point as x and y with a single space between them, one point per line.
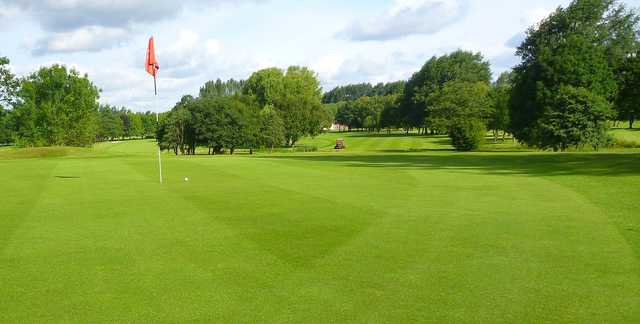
12 153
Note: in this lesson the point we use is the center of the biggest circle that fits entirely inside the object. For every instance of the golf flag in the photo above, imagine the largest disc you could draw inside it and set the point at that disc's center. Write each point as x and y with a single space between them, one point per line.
152 67
151 63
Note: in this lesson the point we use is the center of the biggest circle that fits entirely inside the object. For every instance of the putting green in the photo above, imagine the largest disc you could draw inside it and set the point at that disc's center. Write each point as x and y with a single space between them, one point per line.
370 234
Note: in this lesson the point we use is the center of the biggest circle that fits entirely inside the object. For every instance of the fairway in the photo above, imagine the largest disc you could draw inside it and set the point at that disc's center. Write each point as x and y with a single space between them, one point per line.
392 230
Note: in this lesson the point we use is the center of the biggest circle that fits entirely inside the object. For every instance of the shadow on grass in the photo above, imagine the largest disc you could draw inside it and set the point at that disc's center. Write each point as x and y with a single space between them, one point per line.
540 164
381 135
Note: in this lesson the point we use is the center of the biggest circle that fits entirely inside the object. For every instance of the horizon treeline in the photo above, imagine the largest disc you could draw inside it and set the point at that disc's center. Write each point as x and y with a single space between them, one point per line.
56 106
579 72
273 108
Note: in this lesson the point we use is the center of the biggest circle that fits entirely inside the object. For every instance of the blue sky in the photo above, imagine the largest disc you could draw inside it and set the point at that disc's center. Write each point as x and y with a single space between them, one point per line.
197 40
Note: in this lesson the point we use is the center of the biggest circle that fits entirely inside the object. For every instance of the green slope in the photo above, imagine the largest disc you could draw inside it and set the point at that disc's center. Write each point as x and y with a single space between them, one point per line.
364 235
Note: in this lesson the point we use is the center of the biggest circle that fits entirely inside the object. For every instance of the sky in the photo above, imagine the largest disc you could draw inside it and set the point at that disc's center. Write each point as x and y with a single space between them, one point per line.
196 40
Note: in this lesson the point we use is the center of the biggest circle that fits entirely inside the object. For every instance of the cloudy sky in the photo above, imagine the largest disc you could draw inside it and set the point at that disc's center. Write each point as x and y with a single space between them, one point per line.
199 40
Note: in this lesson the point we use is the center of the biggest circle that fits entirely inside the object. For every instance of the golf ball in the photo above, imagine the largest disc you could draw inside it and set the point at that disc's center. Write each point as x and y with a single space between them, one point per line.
186 179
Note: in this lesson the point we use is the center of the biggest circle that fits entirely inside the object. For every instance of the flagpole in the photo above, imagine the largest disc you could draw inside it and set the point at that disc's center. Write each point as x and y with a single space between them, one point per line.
155 104
151 65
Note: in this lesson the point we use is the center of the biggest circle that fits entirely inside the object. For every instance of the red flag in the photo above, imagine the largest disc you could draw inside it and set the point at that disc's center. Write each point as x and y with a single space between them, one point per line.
151 64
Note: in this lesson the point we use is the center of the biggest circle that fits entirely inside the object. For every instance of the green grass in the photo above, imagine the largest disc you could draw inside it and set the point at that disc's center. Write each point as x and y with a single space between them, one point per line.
391 230
627 137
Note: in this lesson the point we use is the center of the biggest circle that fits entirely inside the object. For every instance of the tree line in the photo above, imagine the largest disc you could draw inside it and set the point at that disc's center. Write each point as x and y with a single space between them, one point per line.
273 108
580 70
57 106
121 123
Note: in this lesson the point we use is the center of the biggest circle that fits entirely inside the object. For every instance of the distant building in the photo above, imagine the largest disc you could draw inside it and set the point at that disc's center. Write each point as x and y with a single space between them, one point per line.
337 127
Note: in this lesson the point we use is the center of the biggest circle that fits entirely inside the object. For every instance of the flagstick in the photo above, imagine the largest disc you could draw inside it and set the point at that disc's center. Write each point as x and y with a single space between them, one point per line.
155 104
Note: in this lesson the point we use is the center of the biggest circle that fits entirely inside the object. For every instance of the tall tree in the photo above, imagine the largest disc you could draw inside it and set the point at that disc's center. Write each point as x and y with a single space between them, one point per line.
110 123
271 133
266 85
149 123
501 97
221 88
296 95
136 128
570 59
352 92
5 127
628 100
459 100
57 107
390 117
8 88
459 65
8 85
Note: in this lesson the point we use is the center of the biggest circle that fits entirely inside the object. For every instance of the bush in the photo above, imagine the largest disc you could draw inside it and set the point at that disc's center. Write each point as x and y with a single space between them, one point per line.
624 143
305 149
578 118
467 135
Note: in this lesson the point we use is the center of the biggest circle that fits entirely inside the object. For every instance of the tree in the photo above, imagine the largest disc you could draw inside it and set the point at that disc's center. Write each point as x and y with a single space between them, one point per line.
110 123
351 115
579 118
390 116
353 92
459 100
330 111
628 100
271 132
240 128
296 95
458 109
459 65
136 128
125 118
215 122
8 85
221 88
149 123
266 85
57 107
501 97
8 89
467 134
574 53
176 131
5 127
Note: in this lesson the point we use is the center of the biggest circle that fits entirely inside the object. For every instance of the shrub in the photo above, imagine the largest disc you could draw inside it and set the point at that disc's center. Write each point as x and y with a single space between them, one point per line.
578 118
305 148
624 143
467 135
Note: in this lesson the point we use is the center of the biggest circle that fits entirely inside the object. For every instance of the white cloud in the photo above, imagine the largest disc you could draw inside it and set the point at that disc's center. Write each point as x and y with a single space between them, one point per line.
89 39
7 11
406 18
197 42
115 20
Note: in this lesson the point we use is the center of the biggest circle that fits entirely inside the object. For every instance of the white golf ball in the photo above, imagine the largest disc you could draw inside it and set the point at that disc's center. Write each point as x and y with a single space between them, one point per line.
186 179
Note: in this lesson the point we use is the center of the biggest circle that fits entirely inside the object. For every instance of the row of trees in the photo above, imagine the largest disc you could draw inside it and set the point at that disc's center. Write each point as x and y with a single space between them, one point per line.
53 106
369 113
120 123
449 92
580 69
272 108
354 91
57 106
